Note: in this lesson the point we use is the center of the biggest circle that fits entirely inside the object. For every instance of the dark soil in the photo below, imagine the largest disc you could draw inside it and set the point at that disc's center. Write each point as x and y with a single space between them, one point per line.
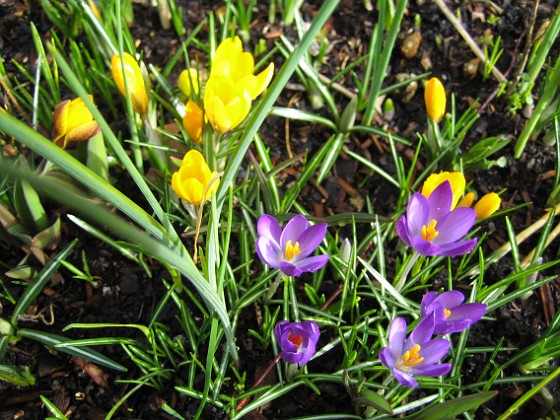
125 294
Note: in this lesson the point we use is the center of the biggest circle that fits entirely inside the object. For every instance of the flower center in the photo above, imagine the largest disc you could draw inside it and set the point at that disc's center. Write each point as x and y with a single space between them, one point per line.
429 232
296 340
291 250
412 356
447 312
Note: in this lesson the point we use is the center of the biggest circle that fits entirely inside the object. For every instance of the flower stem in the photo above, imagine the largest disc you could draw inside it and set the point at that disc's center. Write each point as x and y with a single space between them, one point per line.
404 274
274 286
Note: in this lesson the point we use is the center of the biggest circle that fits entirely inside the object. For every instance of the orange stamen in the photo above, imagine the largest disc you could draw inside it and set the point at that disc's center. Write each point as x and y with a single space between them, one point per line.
429 233
291 250
412 356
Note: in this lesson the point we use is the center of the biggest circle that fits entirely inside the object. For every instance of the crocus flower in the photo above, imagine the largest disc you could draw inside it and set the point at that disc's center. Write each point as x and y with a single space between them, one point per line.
193 121
72 122
231 62
189 82
417 355
456 180
134 81
450 313
297 340
191 181
434 97
432 228
290 249
225 103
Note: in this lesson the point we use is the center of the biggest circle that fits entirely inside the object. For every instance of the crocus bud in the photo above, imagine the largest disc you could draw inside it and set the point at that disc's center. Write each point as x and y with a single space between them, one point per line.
193 121
72 122
297 340
191 182
434 96
467 200
487 205
345 250
189 82
134 81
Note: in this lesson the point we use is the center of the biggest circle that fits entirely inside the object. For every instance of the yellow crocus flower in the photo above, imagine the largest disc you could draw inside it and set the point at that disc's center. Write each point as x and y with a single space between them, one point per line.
189 82
226 104
487 205
193 121
192 179
456 179
231 62
134 81
435 99
72 122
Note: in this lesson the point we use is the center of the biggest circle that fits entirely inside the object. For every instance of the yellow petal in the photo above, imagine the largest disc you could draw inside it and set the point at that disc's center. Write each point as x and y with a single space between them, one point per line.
83 132
435 99
487 205
193 121
226 52
226 105
134 81
189 79
193 178
78 114
60 121
466 201
456 179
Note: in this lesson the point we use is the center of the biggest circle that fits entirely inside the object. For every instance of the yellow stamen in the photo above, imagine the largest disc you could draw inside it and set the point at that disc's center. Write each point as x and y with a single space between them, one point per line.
429 233
447 313
412 356
291 250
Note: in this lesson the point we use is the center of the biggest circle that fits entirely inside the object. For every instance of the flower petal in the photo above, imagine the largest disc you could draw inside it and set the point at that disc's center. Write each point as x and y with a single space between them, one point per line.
458 248
434 350
268 251
311 264
450 299
426 302
310 240
440 202
396 336
269 227
293 230
454 225
404 378
422 333
417 213
433 370
289 269
402 230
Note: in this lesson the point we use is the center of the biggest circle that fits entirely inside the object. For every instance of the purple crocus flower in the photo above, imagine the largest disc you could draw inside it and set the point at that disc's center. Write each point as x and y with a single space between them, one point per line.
451 314
432 228
290 249
297 340
417 355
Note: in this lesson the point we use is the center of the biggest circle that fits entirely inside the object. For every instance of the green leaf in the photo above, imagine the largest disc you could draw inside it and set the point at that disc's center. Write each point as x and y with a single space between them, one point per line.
37 286
450 409
53 340
52 408
16 376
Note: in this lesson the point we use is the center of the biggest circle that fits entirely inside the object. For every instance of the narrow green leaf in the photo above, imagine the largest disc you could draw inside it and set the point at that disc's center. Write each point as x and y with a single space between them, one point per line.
450 409
16 376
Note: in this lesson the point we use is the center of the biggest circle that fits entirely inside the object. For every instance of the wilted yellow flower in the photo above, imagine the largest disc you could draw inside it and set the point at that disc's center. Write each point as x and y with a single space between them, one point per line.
72 122
226 104
189 81
134 81
487 205
193 121
231 62
434 97
456 179
192 179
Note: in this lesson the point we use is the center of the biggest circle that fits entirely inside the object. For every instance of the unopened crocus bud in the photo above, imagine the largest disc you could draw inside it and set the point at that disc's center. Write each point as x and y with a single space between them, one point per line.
346 250
192 181
134 81
189 82
434 96
487 205
467 200
297 340
193 121
72 122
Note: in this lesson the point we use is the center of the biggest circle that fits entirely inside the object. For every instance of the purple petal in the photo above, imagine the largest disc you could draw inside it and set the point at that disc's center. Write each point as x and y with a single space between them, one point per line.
434 370
440 201
424 247
289 269
461 317
450 299
458 248
386 358
454 225
396 336
293 230
422 333
446 327
310 240
268 251
290 357
417 213
402 230
426 302
434 350
269 227
310 264
404 378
